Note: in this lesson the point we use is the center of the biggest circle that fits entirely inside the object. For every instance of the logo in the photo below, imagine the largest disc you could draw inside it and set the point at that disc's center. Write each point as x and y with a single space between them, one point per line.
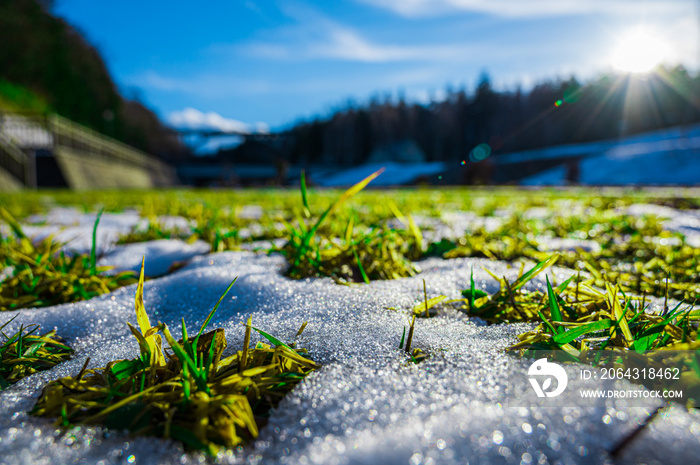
543 368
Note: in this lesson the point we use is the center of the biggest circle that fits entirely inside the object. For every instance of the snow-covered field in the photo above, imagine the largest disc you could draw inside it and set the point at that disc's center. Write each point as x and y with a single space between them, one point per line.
668 156
366 404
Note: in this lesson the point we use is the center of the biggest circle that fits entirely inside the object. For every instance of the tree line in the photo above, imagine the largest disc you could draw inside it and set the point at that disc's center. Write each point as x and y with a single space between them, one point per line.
551 113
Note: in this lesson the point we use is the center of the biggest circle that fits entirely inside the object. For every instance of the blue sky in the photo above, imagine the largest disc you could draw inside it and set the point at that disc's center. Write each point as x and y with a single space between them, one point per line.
257 64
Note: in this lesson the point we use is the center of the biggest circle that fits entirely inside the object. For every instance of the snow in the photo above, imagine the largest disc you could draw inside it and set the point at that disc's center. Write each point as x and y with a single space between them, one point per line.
74 227
162 255
686 222
366 404
567 244
671 156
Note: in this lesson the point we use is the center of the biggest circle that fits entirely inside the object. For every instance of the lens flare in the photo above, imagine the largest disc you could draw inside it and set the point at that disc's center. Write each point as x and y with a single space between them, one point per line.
480 152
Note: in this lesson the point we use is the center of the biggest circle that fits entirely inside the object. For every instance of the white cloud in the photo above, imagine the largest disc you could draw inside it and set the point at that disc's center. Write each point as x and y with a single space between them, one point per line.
316 36
191 118
529 8
202 85
156 81
346 44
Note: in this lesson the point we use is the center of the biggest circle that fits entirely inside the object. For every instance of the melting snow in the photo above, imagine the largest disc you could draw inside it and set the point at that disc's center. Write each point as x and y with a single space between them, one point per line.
366 404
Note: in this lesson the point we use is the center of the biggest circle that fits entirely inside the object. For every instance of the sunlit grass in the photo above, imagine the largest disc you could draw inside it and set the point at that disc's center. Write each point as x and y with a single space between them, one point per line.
190 392
352 254
41 274
153 231
26 352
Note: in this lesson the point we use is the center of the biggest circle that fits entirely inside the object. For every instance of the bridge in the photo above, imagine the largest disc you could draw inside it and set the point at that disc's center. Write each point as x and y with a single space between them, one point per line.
53 151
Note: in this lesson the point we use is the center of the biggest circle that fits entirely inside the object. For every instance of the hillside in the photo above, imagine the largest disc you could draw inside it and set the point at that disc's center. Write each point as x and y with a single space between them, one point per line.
46 64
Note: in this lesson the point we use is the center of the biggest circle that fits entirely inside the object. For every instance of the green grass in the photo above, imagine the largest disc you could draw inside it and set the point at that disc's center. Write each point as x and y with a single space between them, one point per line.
348 253
42 275
351 239
188 393
25 352
357 236
510 304
580 321
415 354
153 231
18 99
629 252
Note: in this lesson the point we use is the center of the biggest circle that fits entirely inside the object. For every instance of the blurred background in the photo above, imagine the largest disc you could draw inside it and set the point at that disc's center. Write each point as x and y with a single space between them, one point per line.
440 92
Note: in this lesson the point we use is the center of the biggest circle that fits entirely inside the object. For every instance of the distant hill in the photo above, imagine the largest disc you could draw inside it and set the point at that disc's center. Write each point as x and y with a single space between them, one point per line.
46 64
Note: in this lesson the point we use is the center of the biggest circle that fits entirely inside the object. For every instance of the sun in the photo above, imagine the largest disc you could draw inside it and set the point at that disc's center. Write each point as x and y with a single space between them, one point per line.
639 51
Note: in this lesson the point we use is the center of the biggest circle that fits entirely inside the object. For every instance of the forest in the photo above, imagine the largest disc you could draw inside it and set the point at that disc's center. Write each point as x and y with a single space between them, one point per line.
553 112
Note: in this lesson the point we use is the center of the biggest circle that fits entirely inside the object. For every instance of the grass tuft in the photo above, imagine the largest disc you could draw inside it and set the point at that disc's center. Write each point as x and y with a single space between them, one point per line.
352 255
153 231
25 353
42 275
189 392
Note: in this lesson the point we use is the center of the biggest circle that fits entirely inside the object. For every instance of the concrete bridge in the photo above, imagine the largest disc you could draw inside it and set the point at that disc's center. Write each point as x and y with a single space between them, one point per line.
52 151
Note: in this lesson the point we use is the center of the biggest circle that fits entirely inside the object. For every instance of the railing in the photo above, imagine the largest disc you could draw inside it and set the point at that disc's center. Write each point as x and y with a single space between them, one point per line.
54 133
17 163
68 134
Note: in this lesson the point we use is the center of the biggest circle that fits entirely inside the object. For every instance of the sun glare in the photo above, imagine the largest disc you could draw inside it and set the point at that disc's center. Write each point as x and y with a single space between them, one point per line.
639 51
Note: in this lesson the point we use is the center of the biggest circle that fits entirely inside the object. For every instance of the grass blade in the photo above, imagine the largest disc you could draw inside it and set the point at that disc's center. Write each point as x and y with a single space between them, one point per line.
554 309
568 336
14 225
359 265
93 249
304 199
534 271
345 196
270 338
211 314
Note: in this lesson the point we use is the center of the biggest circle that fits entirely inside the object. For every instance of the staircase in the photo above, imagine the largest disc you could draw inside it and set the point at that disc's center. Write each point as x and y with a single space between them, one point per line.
52 151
